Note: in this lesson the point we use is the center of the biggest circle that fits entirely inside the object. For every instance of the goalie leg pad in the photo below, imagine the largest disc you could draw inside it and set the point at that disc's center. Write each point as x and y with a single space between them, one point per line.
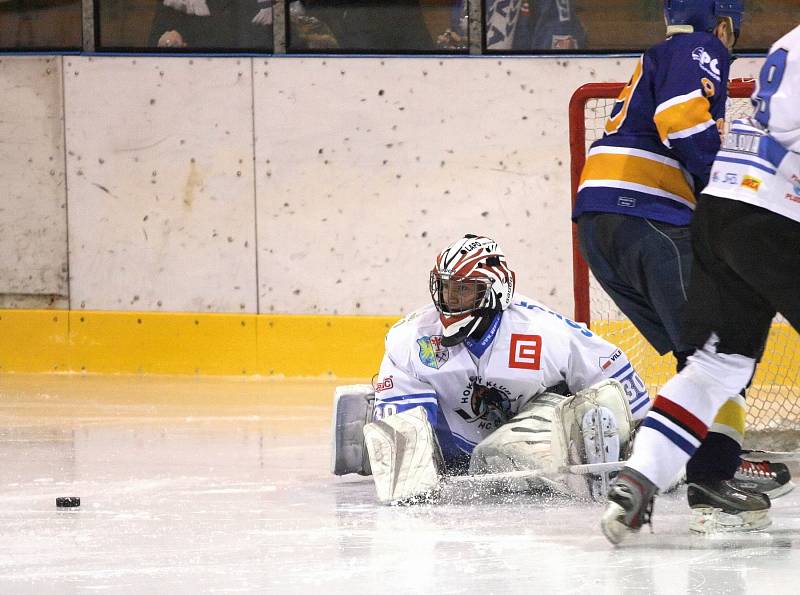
404 456
352 409
593 426
524 443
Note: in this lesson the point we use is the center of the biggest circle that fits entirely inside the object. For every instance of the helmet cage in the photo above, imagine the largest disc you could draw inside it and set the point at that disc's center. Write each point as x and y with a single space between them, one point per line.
455 294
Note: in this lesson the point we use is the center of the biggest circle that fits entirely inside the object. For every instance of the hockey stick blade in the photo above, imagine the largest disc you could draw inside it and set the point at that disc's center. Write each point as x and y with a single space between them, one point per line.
533 473
756 456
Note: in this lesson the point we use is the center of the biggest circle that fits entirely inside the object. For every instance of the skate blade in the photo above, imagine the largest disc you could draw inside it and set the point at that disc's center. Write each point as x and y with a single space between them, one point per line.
780 491
712 520
611 523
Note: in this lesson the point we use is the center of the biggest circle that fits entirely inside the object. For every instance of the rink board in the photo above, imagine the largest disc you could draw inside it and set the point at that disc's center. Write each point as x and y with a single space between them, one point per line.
185 343
242 344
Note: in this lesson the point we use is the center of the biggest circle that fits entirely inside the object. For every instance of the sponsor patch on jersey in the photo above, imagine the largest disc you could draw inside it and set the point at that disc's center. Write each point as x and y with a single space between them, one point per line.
796 184
525 352
384 384
751 183
793 197
431 351
725 177
706 62
607 362
626 201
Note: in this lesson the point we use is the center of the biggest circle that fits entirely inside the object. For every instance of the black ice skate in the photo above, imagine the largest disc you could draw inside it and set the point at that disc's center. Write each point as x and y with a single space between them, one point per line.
630 505
719 506
772 479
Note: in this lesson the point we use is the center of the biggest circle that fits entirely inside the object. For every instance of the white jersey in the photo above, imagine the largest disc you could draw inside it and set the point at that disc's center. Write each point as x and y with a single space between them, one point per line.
759 162
471 389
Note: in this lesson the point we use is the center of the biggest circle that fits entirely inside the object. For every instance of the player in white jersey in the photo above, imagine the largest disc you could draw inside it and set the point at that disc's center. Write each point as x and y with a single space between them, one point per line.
490 368
746 233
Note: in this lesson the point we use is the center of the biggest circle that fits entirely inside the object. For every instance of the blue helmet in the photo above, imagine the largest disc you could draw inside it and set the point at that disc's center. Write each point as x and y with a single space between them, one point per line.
702 15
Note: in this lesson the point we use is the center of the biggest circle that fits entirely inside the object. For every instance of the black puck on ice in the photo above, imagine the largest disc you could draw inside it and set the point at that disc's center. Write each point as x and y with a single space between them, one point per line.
68 502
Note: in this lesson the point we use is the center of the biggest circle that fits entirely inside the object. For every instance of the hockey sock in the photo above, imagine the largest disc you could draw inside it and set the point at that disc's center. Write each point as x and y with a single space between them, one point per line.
716 459
683 411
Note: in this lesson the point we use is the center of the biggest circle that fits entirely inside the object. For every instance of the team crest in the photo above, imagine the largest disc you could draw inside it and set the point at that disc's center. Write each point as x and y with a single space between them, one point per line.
431 351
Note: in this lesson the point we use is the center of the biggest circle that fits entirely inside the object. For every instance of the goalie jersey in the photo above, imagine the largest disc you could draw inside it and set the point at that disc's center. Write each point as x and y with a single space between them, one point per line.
473 388
661 136
759 162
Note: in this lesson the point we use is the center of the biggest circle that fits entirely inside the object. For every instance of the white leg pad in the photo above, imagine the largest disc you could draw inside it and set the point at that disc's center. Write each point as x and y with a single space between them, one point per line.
352 408
524 443
593 426
404 455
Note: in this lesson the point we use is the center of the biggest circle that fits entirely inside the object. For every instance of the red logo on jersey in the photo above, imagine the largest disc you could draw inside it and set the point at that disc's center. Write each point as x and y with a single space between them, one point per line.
525 352
385 385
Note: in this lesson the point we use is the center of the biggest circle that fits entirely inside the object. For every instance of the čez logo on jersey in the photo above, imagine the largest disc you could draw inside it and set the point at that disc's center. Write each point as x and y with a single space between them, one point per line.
706 63
431 351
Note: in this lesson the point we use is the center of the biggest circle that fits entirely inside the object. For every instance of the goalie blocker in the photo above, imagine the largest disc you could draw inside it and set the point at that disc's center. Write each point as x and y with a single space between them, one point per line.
550 433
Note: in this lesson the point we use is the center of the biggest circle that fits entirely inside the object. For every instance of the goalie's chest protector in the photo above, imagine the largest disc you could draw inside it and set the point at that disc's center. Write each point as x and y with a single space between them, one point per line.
479 386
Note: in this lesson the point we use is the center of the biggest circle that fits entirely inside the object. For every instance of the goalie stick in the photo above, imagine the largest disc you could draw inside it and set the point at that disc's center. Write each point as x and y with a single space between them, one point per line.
535 473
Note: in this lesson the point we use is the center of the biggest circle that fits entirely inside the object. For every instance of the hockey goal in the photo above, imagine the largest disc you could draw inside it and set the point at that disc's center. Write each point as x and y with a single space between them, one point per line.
774 398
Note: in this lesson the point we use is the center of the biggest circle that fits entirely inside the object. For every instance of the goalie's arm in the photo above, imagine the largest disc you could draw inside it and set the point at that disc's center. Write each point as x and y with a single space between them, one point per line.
592 359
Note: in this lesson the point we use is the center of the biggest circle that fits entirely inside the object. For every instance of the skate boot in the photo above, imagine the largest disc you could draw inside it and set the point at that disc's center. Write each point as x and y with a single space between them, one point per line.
772 479
720 506
630 505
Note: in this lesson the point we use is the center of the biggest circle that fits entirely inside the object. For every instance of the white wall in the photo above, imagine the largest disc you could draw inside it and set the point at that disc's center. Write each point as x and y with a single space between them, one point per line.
286 185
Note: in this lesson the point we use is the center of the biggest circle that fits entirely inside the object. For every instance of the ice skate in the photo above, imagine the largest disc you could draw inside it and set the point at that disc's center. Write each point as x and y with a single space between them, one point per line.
720 506
772 479
630 505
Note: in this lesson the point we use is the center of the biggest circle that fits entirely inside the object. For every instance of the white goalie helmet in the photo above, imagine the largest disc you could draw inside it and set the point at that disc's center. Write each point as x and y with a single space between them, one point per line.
469 284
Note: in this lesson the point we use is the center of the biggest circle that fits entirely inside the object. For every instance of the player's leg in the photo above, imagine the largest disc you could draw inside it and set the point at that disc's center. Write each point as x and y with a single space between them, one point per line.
616 248
728 319
761 246
645 267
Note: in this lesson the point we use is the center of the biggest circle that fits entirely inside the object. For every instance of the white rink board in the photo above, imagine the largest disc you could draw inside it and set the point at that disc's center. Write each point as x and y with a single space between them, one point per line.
33 220
160 170
364 169
367 167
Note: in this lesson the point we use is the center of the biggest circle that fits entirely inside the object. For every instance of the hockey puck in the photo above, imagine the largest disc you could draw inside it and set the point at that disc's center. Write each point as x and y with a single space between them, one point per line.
68 502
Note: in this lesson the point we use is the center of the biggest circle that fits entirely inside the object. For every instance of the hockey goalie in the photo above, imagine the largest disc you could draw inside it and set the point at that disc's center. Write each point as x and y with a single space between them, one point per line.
483 381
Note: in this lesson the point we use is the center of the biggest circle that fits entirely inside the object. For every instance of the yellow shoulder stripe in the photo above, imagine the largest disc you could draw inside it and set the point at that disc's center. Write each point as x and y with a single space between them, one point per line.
682 116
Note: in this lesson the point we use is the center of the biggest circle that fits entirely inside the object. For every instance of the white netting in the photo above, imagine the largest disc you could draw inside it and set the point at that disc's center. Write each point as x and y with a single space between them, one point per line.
774 398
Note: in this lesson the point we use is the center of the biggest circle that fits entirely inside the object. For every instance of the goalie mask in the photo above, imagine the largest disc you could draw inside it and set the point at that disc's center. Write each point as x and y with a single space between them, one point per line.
469 284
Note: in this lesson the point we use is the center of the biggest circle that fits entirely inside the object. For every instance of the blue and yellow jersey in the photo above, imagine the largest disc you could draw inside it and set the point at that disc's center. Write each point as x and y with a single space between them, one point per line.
661 137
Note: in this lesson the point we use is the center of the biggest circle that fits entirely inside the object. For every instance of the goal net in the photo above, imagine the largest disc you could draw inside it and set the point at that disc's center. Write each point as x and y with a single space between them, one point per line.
774 398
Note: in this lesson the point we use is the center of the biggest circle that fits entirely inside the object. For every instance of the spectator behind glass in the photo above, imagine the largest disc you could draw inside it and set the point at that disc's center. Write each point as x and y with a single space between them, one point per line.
212 24
380 25
520 25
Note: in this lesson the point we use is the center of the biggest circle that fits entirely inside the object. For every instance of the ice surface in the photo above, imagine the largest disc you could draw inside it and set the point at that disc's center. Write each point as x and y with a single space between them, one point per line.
223 485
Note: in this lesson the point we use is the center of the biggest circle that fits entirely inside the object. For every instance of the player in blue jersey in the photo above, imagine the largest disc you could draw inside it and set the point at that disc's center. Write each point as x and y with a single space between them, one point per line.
638 191
745 235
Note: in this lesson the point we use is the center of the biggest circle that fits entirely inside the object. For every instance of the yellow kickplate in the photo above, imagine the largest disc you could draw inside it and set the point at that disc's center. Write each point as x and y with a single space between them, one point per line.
186 343
34 341
162 343
344 346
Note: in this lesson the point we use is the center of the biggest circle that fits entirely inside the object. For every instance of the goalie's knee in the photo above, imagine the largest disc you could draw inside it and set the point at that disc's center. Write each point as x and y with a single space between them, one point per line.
522 443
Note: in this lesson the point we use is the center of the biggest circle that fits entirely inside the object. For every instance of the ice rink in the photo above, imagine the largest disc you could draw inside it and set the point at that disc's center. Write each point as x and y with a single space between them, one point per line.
220 485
